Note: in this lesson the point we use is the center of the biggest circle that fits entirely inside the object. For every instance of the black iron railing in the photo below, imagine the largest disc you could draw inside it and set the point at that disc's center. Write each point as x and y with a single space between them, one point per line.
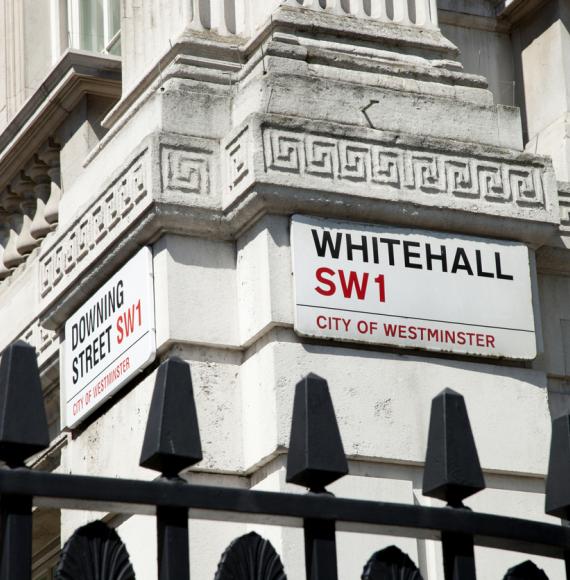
315 459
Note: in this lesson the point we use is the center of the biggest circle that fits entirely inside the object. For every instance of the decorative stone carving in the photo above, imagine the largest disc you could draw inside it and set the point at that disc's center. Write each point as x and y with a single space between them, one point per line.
238 155
400 168
390 564
24 187
38 171
50 156
250 556
11 257
4 235
94 551
186 170
112 212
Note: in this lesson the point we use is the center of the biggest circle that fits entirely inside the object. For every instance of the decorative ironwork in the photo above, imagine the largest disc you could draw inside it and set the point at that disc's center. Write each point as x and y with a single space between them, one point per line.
526 571
250 557
390 564
94 552
316 458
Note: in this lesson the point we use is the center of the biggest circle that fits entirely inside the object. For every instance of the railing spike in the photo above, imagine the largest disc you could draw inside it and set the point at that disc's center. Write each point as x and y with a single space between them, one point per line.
316 455
172 437
557 489
452 471
528 570
23 423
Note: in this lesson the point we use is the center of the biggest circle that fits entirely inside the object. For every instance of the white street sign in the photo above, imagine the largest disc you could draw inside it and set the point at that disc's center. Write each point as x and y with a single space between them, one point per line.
109 339
412 288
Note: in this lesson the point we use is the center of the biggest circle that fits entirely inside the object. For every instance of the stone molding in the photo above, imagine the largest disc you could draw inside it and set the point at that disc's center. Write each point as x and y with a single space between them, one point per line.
185 171
76 74
187 168
370 163
105 220
420 172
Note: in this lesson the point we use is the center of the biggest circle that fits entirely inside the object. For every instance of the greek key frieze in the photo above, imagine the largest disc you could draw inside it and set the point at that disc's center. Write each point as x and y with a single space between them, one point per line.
238 154
186 170
110 214
403 168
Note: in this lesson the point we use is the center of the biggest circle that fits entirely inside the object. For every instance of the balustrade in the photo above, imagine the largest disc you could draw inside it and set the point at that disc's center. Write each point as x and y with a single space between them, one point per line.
29 208
226 17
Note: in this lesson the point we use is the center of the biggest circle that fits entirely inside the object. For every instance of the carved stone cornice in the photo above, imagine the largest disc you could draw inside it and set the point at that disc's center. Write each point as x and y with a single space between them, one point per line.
76 74
401 168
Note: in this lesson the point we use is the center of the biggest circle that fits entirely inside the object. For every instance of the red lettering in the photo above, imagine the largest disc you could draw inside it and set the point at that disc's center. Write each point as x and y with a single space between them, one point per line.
331 285
353 282
120 329
381 287
390 329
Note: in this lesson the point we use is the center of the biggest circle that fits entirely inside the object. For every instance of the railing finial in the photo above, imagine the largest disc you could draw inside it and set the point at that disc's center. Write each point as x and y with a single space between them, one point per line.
316 455
557 501
172 437
452 471
23 423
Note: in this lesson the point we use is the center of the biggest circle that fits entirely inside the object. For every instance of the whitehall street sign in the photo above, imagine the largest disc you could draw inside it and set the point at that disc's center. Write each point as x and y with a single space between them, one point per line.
412 288
109 339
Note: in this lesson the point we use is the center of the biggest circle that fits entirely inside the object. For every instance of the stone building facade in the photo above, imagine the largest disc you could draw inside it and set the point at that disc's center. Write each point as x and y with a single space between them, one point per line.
197 128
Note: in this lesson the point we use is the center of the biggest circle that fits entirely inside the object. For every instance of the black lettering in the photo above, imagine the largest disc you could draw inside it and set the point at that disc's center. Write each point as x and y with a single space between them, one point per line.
408 254
500 274
480 271
88 358
90 321
81 357
99 312
375 258
108 331
442 256
350 247
74 336
461 262
110 301
96 351
75 372
390 243
327 243
120 294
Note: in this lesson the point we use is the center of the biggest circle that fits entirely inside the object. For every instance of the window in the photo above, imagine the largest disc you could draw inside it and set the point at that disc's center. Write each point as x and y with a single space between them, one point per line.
93 25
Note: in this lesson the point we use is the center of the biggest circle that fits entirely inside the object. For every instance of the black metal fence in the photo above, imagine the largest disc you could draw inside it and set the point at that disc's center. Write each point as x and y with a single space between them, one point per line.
315 459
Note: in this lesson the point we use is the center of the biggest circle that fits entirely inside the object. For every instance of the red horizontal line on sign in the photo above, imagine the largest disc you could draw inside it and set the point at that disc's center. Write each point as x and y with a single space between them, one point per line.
412 317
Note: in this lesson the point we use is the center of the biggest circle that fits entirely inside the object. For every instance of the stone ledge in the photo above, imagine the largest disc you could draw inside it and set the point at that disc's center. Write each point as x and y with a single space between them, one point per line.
372 164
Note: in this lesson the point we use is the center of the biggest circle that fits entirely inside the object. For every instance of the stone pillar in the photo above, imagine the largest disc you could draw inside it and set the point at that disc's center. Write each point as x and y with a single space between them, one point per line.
542 48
